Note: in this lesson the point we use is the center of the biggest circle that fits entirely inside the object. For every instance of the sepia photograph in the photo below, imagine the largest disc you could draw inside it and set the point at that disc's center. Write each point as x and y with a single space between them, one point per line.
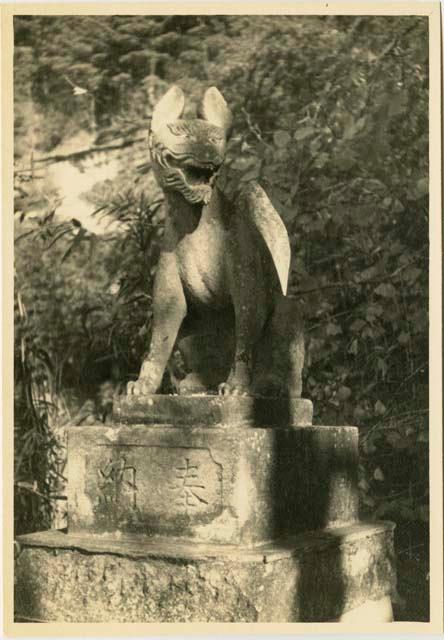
221 318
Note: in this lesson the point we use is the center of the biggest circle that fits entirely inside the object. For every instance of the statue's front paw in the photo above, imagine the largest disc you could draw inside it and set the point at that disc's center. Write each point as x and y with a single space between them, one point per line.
141 387
232 389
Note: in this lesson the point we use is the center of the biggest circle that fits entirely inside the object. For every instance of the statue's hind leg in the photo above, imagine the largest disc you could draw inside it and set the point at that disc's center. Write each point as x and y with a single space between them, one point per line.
280 352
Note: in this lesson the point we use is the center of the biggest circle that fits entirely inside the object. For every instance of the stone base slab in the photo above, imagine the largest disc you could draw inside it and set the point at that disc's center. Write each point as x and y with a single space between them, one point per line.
371 612
230 486
313 577
213 411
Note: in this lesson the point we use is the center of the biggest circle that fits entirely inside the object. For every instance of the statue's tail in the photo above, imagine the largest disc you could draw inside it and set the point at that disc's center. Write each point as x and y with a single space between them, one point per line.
254 203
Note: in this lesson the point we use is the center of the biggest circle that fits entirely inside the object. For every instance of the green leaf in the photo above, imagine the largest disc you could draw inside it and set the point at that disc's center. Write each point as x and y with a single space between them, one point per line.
354 127
380 407
344 393
412 273
382 367
75 243
241 163
386 290
368 332
305 132
353 349
333 329
397 441
281 195
369 274
321 160
345 160
358 325
398 207
378 474
422 187
373 312
281 138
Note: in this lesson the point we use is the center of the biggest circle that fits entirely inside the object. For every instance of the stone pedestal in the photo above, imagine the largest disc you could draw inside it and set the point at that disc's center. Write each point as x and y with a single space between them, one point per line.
187 510
214 411
235 486
313 577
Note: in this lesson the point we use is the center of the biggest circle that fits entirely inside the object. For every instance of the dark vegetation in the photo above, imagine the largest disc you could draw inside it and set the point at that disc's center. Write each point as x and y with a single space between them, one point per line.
332 119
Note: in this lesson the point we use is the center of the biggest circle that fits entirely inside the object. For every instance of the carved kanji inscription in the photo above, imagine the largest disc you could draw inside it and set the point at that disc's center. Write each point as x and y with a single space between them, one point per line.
154 487
117 482
189 485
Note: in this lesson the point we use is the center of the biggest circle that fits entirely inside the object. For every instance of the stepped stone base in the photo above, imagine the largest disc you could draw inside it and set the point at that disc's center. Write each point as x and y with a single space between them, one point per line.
213 411
209 509
212 485
327 575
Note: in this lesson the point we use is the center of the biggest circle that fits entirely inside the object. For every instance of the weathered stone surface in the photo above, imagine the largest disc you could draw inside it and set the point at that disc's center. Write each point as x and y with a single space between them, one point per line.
229 257
236 486
212 410
313 577
206 344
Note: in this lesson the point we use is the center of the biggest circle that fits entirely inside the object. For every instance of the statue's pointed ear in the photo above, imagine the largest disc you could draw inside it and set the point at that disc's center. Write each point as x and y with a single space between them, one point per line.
214 109
169 108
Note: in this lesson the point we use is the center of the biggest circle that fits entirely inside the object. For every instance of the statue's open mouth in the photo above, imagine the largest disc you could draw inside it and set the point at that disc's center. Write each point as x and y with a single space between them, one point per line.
199 175
192 178
194 172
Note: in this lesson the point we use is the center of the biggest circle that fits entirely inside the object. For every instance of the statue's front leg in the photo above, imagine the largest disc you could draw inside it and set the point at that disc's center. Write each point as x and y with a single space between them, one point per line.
239 381
169 310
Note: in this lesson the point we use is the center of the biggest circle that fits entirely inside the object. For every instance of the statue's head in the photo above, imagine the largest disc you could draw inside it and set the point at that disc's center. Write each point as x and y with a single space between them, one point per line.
187 153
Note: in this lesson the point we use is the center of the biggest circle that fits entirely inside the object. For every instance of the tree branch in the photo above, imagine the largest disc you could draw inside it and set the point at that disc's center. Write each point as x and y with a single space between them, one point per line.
78 155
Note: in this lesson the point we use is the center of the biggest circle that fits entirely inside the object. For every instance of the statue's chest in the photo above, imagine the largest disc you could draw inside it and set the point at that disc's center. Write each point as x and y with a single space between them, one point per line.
201 258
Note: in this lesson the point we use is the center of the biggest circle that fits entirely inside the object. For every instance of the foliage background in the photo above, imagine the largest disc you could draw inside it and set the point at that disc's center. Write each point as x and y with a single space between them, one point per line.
331 116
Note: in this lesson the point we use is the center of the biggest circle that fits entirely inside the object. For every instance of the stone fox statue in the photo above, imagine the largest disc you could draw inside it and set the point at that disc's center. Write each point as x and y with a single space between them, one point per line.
222 275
